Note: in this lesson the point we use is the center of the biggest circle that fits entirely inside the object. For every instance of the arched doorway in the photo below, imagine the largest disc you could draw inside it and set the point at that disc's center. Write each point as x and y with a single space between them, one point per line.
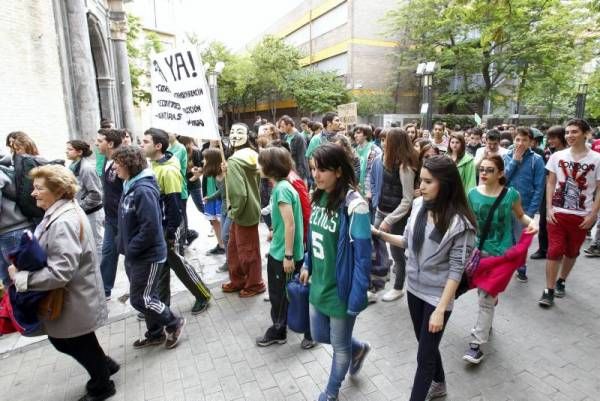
105 82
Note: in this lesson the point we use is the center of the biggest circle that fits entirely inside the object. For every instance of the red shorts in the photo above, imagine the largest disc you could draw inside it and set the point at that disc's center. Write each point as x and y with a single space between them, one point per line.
565 237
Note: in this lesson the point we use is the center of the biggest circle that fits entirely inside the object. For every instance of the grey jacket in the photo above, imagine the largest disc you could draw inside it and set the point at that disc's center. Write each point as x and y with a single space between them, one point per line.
427 281
11 218
72 265
89 196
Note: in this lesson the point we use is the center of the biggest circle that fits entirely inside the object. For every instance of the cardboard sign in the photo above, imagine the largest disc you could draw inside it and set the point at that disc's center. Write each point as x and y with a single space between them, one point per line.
348 113
180 96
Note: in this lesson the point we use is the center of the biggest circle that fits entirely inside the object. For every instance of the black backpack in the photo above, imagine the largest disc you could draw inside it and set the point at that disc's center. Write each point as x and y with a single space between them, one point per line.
24 184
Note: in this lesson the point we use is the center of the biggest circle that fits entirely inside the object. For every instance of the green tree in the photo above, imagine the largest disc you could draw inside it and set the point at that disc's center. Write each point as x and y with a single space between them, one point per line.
140 45
316 91
371 103
275 62
482 46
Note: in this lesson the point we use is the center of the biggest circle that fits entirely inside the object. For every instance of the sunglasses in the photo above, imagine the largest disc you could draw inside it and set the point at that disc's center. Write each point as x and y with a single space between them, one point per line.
487 170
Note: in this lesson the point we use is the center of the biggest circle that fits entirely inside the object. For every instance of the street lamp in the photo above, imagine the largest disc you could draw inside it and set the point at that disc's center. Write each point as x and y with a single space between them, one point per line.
213 85
425 72
581 97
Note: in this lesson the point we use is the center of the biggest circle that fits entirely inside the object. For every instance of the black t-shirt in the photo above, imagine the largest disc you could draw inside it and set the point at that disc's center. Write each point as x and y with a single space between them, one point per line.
197 161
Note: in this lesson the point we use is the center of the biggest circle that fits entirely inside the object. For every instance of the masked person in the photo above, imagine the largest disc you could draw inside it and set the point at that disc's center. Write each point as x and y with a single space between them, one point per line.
242 180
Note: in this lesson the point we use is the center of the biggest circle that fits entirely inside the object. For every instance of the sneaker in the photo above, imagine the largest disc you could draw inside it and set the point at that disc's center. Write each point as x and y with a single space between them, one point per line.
436 390
149 342
224 268
199 306
392 295
307 344
371 297
559 291
217 250
173 338
593 251
357 363
106 394
140 316
522 277
547 299
113 366
108 297
473 354
539 254
266 297
271 338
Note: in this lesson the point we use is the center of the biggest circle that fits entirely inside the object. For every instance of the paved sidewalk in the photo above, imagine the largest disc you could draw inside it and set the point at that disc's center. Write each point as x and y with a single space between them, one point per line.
534 354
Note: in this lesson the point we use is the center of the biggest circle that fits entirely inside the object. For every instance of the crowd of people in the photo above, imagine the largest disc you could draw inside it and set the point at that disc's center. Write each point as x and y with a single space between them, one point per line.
344 208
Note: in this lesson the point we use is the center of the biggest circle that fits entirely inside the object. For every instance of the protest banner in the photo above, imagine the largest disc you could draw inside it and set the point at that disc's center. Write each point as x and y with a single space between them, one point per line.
348 113
180 96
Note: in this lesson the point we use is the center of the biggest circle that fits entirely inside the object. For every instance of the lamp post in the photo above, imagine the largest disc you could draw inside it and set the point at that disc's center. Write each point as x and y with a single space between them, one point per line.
425 72
580 102
213 86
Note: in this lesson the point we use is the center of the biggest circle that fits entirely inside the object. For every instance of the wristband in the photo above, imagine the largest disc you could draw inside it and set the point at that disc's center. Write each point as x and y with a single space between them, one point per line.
289 257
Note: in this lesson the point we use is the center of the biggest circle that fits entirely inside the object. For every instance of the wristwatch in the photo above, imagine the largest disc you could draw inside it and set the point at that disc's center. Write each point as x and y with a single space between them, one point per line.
289 257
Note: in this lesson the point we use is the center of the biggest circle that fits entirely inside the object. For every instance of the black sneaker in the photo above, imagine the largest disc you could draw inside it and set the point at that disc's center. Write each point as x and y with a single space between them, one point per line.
199 306
522 277
173 338
559 291
474 354
149 342
106 394
113 366
593 251
357 363
436 390
271 337
217 250
539 254
307 344
547 299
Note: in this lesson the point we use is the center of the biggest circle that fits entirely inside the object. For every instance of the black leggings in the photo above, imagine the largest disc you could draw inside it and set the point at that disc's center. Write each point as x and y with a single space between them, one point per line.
87 351
429 360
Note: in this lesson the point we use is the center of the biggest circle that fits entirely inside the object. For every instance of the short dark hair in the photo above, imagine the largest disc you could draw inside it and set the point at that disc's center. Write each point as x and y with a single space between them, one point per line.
493 135
106 123
328 117
557 131
365 129
476 131
124 133
287 120
111 135
524 131
159 137
315 125
82 146
582 124
305 120
275 162
439 123
132 158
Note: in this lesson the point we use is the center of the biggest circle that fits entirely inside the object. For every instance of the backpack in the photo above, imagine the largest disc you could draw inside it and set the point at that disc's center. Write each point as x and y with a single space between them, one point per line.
24 184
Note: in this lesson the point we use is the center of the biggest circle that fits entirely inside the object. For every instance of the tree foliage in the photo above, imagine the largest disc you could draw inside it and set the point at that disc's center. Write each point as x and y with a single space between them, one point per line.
497 49
140 45
371 103
316 91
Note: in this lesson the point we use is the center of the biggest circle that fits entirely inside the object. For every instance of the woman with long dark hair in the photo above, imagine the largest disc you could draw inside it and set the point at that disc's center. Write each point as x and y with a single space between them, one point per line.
438 238
396 171
338 262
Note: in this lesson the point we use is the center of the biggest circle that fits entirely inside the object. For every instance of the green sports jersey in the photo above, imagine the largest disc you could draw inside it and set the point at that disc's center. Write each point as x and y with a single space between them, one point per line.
323 248
283 192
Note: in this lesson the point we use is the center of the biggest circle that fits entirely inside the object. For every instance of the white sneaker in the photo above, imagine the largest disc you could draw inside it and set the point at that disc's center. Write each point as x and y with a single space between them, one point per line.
392 295
371 297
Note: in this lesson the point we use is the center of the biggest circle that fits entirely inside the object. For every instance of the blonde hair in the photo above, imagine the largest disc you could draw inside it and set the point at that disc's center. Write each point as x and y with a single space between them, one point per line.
59 179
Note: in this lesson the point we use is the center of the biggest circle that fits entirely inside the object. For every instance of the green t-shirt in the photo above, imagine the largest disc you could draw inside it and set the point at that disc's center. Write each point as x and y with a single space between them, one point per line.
283 192
211 186
500 236
100 158
314 143
324 235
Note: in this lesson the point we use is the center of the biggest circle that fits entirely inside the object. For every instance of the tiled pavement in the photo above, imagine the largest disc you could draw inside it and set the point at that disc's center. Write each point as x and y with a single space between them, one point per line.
533 355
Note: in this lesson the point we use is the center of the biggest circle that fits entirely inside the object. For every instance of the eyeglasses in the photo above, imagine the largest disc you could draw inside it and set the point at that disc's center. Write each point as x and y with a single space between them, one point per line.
487 170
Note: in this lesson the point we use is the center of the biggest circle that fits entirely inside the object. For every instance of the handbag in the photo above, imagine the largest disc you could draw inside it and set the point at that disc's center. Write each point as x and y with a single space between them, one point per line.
50 307
475 257
298 319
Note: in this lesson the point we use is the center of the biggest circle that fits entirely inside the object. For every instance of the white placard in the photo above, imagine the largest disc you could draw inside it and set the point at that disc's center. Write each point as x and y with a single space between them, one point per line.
180 96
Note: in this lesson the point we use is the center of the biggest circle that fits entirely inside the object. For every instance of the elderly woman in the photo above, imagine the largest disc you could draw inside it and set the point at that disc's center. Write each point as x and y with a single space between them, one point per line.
66 236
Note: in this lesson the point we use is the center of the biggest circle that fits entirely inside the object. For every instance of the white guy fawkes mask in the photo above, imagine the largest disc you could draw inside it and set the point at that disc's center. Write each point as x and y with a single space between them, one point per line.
238 136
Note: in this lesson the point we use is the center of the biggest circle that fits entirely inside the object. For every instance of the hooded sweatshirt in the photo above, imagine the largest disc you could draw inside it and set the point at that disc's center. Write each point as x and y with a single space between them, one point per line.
242 182
140 222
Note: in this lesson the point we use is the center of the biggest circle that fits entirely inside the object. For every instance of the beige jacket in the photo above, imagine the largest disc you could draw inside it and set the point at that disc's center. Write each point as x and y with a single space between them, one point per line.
72 265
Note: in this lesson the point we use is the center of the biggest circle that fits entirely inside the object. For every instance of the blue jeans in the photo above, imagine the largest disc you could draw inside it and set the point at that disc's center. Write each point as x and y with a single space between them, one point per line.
196 194
338 333
8 242
225 226
110 255
517 228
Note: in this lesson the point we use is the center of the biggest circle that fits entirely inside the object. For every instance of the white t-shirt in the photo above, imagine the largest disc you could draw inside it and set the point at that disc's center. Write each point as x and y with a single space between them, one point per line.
480 153
576 181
